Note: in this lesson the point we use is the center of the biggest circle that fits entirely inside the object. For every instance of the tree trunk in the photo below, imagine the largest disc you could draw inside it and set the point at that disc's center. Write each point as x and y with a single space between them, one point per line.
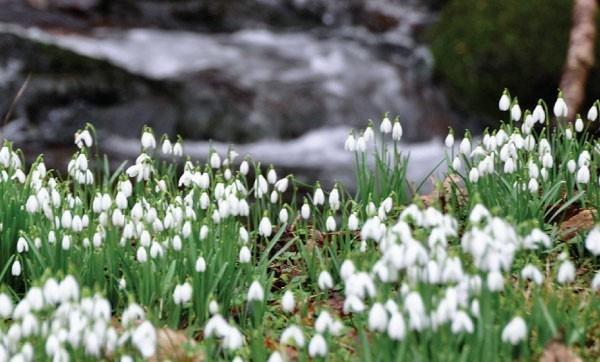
580 54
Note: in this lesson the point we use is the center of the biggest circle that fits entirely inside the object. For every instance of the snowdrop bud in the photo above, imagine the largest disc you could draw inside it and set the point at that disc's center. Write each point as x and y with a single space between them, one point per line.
474 175
386 126
148 140
203 232
515 331
456 163
16 268
396 327
378 318
244 168
566 272
397 131
245 255
325 280
578 124
305 211
317 346
255 292
515 112
547 160
213 307
560 107
449 141
533 186
66 242
287 301
583 175
200 265
215 160
141 255
330 224
283 215
265 228
592 114
592 241
504 102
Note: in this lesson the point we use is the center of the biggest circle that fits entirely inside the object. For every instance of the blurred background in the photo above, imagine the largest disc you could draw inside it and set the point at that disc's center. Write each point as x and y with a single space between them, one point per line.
284 80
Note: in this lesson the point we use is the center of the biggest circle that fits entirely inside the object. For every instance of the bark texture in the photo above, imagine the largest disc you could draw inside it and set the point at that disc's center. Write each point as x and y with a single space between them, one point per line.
580 54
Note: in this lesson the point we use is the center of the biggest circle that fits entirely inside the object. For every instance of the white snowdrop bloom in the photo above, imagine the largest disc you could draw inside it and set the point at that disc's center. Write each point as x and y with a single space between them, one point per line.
245 255
22 245
178 149
317 346
539 115
571 166
495 281
566 272
378 318
325 280
244 236
203 232
461 323
504 102
274 197
465 146
255 292
592 241
265 228
353 304
35 297
148 141
353 222
83 138
474 175
6 306
215 160
510 166
515 112
292 335
319 196
32 205
596 282
141 255
144 339
396 328
287 302
275 357
283 215
167 147
244 168
66 219
15 270
386 126
560 107
584 159
200 265
305 211
347 269
449 140
534 170
579 125
156 250
271 176
213 307
334 199
361 144
182 293
350 143
530 272
330 224
282 185
533 186
456 163
569 134
515 331
547 160
592 113
583 175
544 174
176 243
397 131
30 325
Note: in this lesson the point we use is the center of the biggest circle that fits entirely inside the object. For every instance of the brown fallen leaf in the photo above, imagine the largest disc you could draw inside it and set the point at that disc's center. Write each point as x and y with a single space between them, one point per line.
171 347
583 220
558 352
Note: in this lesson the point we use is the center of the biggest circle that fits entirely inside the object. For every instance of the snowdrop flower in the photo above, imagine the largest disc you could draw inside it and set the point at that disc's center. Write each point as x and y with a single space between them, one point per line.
83 138
141 255
167 147
530 272
592 241
386 126
330 224
368 134
319 196
6 306
571 166
325 280
465 146
456 163
32 205
539 115
353 222
533 186
182 293
474 175
292 335
245 255
144 339
305 211
560 107
15 270
449 141
397 131
178 149
200 265
148 140
256 292
244 168
265 228
396 328
596 282
515 111
317 346
566 272
287 302
495 281
592 114
461 323
504 102
583 175
22 245
350 144
378 318
361 144
215 160
515 331
275 357
347 269
578 124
